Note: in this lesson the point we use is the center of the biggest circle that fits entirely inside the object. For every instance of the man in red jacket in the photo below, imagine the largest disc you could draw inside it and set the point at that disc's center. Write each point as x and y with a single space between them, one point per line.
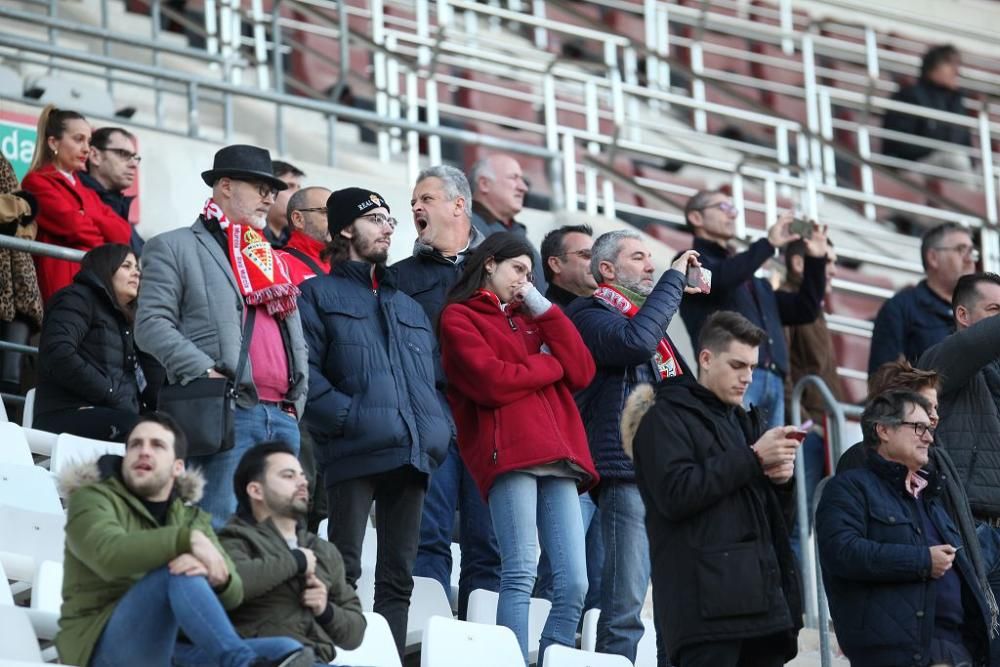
310 232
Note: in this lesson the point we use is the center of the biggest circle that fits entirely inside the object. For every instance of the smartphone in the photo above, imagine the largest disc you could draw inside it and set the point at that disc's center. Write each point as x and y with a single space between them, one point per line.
700 278
803 228
802 432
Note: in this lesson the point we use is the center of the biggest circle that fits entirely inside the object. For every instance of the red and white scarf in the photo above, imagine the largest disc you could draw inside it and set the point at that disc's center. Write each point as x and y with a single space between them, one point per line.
666 359
260 273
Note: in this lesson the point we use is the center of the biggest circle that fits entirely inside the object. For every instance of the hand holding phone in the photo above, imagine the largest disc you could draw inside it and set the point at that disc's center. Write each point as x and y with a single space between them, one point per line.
699 278
801 228
802 431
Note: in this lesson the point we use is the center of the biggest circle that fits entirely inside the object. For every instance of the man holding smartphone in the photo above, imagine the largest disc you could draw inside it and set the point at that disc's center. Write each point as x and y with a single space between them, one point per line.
711 216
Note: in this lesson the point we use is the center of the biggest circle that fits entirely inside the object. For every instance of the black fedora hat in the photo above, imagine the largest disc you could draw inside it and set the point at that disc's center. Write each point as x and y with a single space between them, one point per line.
243 162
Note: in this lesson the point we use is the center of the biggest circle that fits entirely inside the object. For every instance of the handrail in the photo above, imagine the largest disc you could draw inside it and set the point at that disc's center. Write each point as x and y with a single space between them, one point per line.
39 248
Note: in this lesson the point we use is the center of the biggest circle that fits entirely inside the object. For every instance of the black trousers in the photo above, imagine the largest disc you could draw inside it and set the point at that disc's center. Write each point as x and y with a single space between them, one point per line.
399 500
766 651
97 423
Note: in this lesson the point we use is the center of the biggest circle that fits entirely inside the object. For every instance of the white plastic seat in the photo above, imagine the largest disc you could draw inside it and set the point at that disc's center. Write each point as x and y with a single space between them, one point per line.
3 408
378 649
27 538
427 601
588 633
71 449
483 609
14 445
456 571
451 643
564 656
40 442
28 415
46 599
28 487
11 84
645 655
17 637
86 98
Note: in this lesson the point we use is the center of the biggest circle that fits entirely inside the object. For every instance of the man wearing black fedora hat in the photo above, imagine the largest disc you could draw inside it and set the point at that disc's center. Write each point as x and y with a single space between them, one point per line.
380 423
213 287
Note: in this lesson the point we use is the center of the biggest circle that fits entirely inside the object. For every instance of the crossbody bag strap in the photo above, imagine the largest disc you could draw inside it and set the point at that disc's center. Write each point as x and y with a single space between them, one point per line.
244 348
306 259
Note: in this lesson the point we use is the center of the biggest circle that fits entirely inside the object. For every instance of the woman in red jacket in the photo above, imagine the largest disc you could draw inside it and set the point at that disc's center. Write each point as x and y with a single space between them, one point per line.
69 213
513 362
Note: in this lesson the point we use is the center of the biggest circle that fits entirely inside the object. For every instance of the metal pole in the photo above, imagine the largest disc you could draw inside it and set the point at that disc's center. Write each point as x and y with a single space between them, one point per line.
260 44
412 115
812 103
155 18
541 34
227 120
344 46
569 171
698 87
826 128
331 139
787 27
867 175
589 173
211 27
278 57
738 200
986 158
381 75
106 46
192 95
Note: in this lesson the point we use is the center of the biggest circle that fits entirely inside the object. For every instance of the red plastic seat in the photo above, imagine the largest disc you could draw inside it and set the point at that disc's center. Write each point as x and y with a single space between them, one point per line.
513 105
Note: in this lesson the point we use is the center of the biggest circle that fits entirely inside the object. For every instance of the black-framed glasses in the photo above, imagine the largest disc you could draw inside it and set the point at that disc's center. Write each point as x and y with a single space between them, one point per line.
963 249
127 156
265 190
920 428
586 253
314 209
380 220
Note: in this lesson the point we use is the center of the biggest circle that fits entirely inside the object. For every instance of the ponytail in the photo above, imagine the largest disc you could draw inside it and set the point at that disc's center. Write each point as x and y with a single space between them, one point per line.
51 123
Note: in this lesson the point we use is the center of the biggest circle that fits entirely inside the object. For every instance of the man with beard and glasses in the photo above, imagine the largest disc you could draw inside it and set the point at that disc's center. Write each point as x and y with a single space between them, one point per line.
625 326
142 563
375 410
294 582
206 287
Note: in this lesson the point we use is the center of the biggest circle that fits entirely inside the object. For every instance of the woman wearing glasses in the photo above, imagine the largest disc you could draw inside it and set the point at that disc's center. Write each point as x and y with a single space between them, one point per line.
69 213
513 361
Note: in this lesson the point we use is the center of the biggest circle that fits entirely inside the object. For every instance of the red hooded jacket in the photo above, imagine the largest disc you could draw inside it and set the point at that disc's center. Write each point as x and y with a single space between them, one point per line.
73 216
311 248
513 403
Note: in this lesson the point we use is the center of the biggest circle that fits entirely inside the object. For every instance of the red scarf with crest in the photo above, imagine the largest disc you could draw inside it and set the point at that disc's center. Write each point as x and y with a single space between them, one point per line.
666 359
261 274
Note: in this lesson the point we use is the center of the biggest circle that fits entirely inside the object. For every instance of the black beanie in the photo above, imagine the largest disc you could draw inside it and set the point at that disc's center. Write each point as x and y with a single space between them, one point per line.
345 206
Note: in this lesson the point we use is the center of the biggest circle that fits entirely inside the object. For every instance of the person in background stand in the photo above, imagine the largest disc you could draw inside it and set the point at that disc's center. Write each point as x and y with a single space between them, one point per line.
277 230
111 170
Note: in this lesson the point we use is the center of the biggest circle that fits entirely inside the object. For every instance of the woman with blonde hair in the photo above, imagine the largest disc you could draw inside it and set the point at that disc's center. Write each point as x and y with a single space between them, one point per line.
69 213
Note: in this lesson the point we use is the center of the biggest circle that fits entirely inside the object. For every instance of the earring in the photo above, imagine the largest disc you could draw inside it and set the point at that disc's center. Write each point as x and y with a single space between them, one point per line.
55 151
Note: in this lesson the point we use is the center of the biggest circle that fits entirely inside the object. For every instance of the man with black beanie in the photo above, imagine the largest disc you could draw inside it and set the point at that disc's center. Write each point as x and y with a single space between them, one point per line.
378 419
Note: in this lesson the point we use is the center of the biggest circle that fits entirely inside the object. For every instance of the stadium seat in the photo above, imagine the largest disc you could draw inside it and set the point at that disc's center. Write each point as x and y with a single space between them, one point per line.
6 596
451 643
14 445
72 449
427 601
28 487
46 599
17 637
28 416
588 633
456 572
564 656
11 84
28 537
3 412
377 648
40 442
645 655
483 609
87 98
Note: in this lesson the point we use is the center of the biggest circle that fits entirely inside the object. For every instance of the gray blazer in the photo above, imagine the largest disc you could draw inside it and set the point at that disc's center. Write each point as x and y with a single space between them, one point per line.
190 314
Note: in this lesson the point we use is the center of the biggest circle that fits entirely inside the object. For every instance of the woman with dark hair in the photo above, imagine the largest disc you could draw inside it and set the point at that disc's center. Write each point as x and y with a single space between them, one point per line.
93 382
69 213
513 362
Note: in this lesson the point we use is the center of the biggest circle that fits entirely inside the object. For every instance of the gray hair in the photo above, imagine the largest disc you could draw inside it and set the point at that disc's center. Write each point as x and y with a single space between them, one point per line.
454 181
298 200
606 248
483 168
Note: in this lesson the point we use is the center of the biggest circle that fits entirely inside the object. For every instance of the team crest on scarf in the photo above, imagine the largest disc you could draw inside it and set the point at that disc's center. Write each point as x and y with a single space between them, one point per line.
258 250
665 357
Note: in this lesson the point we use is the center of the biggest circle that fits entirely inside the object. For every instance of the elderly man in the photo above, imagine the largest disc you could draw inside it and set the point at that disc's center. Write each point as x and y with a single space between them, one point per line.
441 207
498 190
277 231
214 293
902 589
308 235
921 316
111 170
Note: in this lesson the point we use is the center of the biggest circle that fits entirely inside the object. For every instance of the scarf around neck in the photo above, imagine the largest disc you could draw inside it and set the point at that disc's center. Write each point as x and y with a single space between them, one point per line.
260 273
628 304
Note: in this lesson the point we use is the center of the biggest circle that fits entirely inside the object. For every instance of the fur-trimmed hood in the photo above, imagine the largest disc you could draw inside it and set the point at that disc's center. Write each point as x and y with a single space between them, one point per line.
189 486
637 405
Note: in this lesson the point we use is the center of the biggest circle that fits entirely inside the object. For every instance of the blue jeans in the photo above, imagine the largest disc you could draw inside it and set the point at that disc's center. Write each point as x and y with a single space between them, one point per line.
143 628
526 509
767 392
625 578
594 553
814 461
451 487
250 426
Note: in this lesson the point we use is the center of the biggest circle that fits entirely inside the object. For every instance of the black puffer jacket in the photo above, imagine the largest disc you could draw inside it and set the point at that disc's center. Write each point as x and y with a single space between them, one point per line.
718 528
87 355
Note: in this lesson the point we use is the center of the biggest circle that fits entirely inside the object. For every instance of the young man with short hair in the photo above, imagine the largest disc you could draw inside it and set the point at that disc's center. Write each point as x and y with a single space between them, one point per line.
143 563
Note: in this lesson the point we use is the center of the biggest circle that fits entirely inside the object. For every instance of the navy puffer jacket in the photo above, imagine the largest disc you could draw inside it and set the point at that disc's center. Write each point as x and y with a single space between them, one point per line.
877 564
373 401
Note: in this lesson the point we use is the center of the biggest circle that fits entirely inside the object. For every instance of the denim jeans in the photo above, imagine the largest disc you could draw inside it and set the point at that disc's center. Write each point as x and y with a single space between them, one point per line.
767 392
625 578
814 460
398 496
451 486
594 553
143 628
250 426
526 509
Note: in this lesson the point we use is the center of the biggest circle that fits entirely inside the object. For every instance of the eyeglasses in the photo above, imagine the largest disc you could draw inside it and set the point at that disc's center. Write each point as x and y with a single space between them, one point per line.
127 156
314 209
265 190
726 207
586 253
920 428
964 250
380 220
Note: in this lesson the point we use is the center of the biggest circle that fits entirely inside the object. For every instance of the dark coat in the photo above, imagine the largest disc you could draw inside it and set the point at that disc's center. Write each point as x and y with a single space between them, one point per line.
87 354
735 288
908 324
623 351
930 96
876 567
513 402
427 275
117 201
722 567
373 402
